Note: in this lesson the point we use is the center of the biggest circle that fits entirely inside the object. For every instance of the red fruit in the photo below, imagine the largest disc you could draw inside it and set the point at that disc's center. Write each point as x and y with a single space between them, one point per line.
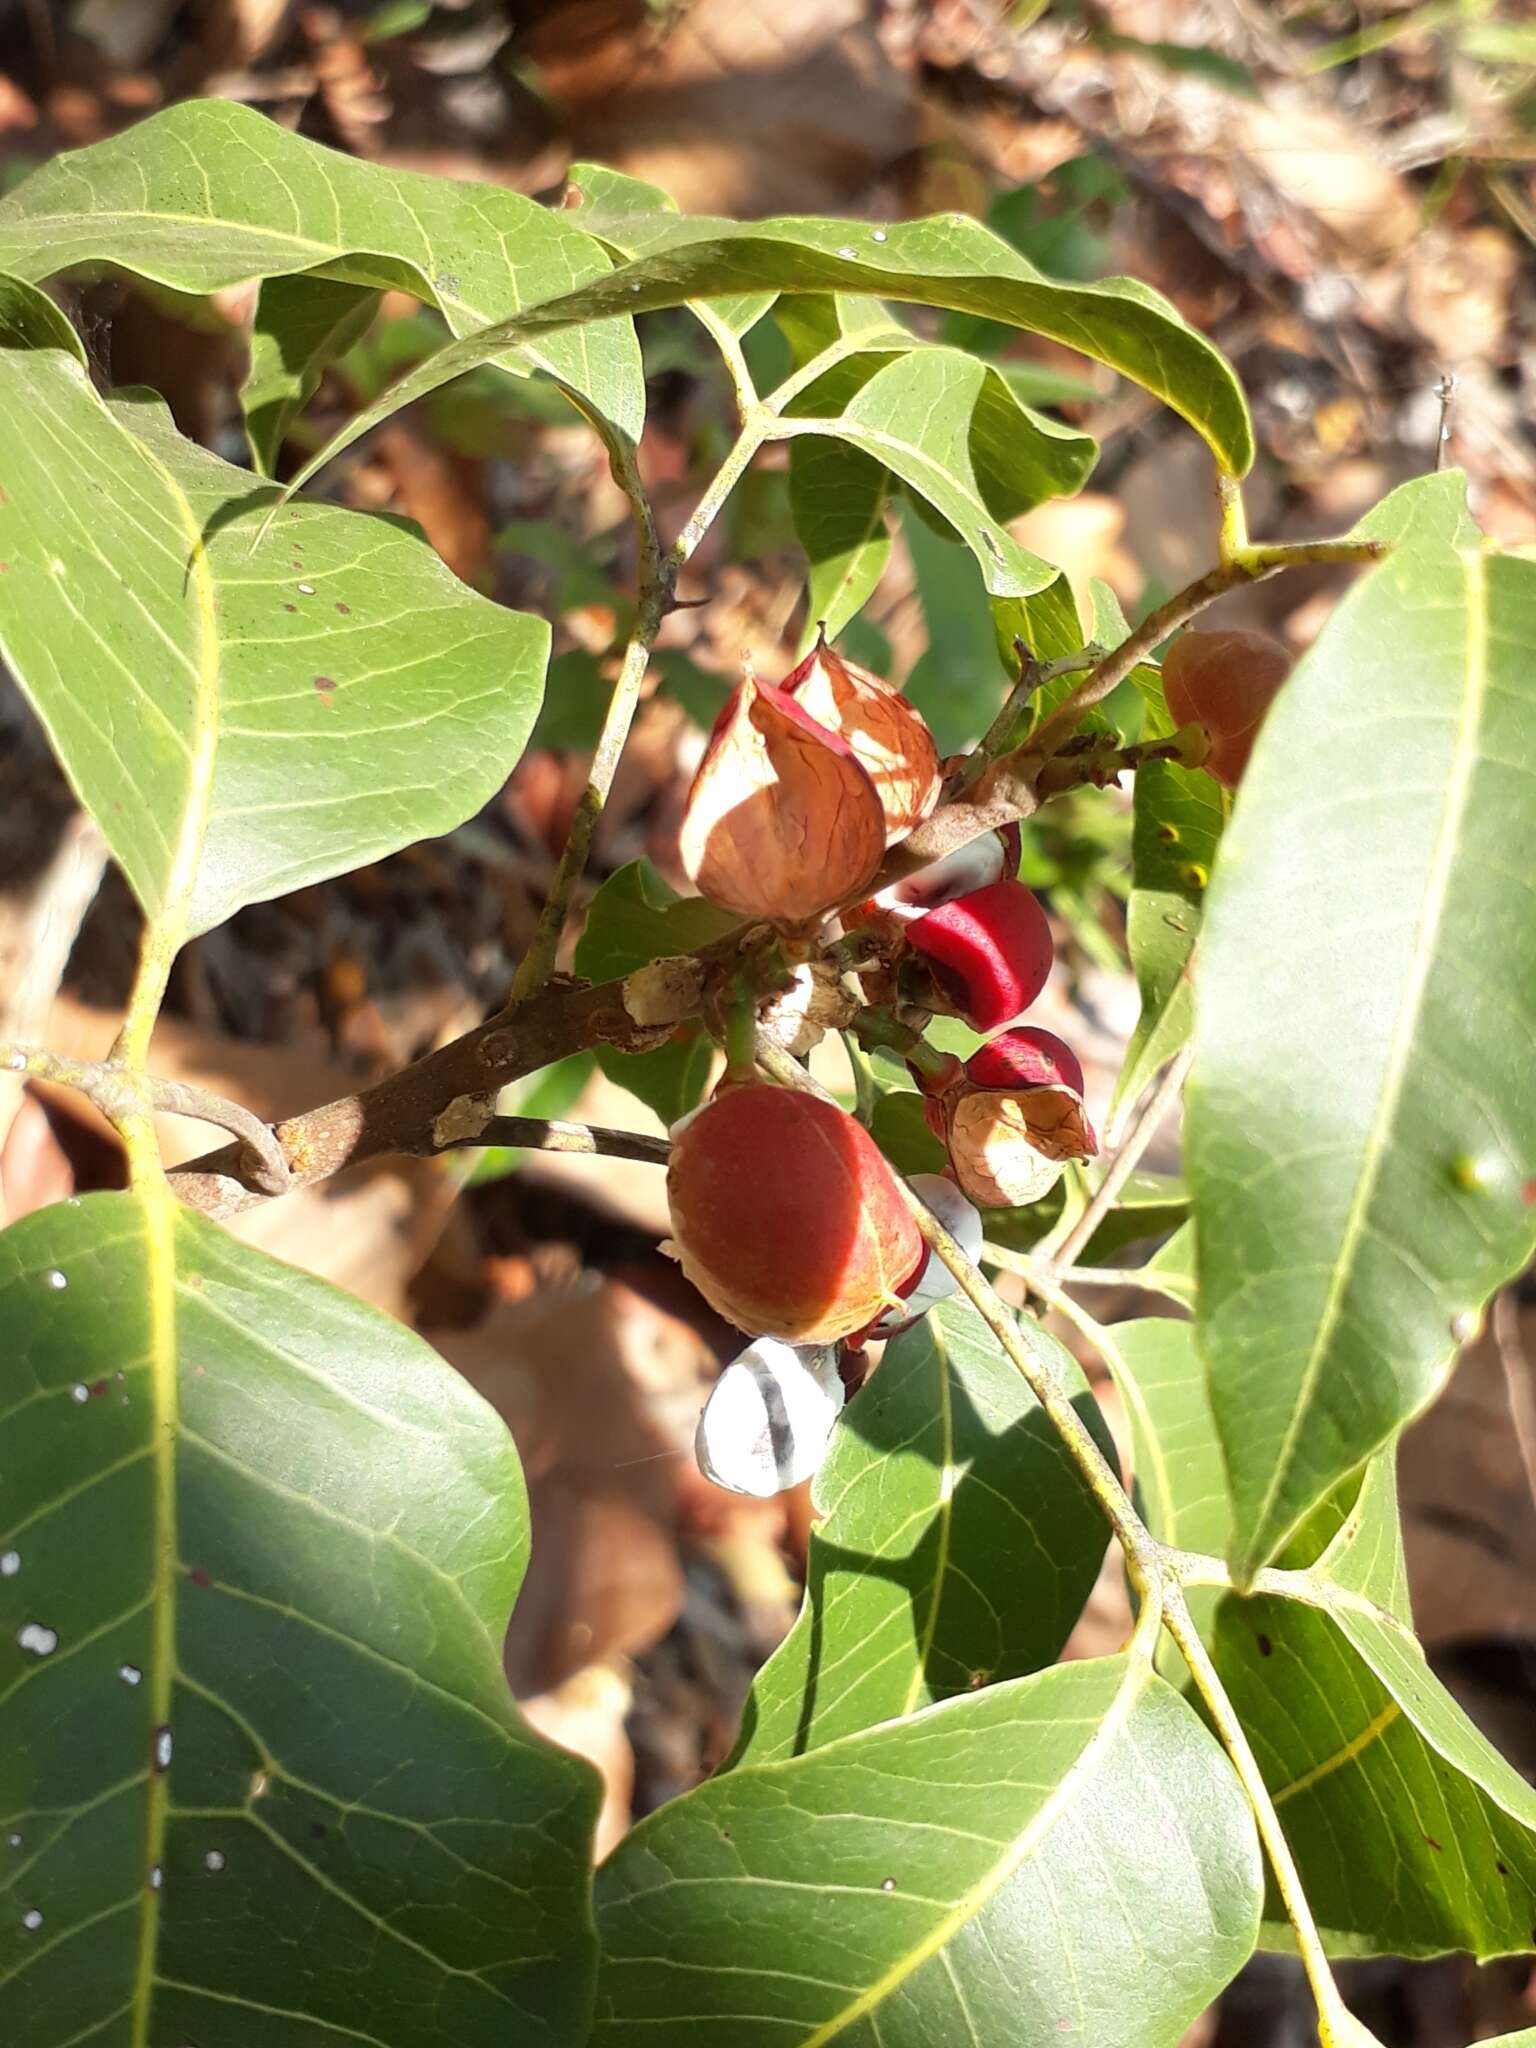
786 1217
989 951
1026 1057
1226 682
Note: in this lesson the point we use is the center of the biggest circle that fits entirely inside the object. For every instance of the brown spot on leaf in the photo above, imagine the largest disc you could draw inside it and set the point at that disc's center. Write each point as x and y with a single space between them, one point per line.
1438 1847
200 1575
1266 1647
343 607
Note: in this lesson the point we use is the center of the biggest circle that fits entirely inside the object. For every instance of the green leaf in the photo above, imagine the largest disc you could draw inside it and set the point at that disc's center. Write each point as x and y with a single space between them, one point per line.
837 498
261 1776
957 681
617 205
576 695
915 416
943 1465
1171 1269
947 261
1180 1482
1412 1834
1149 1205
302 325
637 917
1178 817
1068 1855
1019 457
177 673
1361 1133
209 194
899 1129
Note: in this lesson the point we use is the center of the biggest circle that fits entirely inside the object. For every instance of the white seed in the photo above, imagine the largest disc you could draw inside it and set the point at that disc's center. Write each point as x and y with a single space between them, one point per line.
767 1422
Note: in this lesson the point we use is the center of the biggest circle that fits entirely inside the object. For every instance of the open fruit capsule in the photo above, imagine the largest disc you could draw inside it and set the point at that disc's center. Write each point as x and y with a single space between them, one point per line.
782 821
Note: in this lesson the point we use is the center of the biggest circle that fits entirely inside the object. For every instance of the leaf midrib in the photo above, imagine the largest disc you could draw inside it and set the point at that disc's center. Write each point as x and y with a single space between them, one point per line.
1136 1682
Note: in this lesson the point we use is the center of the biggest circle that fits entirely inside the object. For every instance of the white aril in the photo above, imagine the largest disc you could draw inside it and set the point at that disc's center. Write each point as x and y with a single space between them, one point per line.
935 1283
766 1424
972 866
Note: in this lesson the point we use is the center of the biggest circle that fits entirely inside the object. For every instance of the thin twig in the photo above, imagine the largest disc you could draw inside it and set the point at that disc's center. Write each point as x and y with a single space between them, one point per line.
657 582
1141 1133
1337 2026
125 1095
1038 1274
1253 565
549 1134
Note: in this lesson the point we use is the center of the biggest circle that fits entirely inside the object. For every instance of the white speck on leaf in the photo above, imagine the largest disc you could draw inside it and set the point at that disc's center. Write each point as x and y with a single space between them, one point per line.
130 1674
42 1642
10 1563
56 1280
32 1919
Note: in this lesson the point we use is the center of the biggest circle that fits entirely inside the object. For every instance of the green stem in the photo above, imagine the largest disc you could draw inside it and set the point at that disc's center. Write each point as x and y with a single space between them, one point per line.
1141 1548
1337 2026
658 580
1156 1573
731 354
866 1095
1249 565
741 1032
1007 730
1232 539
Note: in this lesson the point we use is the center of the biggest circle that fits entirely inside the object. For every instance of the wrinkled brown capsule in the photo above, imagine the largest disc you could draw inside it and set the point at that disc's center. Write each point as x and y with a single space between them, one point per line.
782 821
887 734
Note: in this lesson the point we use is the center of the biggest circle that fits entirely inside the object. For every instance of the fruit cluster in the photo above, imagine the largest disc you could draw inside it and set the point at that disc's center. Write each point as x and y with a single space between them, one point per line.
784 1213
